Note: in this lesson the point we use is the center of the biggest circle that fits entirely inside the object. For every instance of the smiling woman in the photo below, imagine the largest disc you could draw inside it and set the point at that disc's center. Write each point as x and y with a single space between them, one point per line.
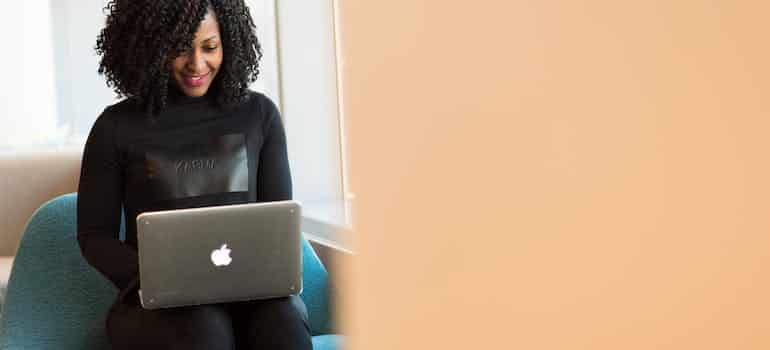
196 68
188 134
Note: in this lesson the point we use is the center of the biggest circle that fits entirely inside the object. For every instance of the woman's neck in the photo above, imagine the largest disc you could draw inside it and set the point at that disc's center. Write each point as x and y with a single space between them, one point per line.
176 96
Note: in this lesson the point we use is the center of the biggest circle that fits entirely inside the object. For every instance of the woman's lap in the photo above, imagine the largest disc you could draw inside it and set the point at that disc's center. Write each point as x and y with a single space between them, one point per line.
272 323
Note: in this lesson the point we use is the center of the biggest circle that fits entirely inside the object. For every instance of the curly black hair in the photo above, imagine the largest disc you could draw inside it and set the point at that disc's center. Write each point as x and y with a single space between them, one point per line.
141 37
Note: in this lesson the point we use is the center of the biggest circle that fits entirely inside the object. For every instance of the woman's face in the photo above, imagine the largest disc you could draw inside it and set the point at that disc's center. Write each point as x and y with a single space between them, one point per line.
194 70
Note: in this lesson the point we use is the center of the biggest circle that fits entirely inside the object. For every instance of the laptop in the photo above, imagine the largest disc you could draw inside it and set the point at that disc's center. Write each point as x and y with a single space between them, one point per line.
219 254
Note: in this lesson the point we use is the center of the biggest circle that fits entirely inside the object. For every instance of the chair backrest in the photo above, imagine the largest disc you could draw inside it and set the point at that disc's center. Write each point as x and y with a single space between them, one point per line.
56 300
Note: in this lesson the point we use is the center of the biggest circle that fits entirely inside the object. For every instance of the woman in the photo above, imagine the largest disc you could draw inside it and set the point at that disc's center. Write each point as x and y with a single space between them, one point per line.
183 67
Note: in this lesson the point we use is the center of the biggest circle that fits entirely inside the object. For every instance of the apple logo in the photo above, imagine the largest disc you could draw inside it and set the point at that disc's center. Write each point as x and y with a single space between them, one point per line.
221 256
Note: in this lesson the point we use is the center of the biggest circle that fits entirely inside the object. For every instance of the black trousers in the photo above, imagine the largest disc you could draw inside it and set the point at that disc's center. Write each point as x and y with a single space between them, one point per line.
279 323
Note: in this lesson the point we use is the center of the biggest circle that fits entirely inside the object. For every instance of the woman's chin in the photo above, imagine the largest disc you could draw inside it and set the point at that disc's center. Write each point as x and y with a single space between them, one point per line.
194 91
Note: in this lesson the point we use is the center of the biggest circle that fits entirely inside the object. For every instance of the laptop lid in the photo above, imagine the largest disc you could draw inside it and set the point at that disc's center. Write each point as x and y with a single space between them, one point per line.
219 254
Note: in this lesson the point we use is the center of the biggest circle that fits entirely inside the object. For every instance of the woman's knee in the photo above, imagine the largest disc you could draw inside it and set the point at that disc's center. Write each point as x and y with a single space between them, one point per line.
275 324
281 309
277 315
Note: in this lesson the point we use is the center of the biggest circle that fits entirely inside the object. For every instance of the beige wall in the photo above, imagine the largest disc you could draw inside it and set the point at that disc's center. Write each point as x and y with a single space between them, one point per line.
558 174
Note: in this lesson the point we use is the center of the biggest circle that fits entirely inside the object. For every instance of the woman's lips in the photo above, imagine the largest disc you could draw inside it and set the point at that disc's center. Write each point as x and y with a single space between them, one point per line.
195 80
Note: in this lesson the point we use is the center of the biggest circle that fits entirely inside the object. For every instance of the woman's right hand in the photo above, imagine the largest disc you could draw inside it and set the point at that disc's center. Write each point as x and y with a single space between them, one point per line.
130 295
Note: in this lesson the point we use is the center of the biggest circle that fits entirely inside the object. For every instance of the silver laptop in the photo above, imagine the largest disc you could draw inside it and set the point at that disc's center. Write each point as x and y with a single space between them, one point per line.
219 254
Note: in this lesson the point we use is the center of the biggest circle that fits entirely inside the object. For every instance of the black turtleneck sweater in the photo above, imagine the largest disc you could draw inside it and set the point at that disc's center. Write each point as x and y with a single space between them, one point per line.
193 154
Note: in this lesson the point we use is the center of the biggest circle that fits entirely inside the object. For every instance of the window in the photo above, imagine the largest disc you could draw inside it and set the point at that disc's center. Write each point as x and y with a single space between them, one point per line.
28 98
62 94
314 122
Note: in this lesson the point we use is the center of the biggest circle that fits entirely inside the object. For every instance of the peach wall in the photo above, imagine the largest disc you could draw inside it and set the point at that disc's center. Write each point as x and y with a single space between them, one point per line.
558 174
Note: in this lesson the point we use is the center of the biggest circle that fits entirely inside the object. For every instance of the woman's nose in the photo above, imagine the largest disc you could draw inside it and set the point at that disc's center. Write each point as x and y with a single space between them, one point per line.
196 62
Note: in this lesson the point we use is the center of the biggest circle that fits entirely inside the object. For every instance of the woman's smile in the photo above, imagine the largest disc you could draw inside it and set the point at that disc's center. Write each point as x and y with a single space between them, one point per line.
195 80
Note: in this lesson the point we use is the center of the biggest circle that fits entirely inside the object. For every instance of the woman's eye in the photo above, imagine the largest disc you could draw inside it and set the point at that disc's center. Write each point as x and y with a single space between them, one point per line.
211 48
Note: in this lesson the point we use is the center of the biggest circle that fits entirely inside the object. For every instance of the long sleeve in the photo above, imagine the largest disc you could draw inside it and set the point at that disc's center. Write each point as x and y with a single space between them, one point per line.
273 174
100 198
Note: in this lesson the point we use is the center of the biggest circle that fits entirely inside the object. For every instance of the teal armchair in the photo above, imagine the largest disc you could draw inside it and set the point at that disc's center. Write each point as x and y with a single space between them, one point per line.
55 300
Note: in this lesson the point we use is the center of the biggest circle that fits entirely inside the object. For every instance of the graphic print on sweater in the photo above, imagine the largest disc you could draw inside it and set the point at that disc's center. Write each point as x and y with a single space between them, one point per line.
190 169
